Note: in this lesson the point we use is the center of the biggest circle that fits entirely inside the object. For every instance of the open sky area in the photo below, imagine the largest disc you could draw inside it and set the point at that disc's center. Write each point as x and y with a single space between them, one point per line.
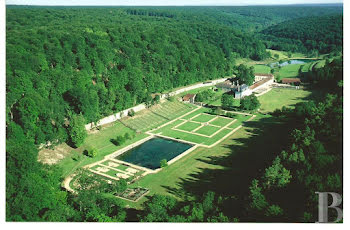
167 2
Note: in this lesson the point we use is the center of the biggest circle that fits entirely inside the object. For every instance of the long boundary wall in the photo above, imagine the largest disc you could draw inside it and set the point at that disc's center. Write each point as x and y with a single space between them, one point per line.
137 108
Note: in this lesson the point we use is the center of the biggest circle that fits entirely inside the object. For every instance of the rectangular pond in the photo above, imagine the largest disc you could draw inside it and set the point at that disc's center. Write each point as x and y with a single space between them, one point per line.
150 153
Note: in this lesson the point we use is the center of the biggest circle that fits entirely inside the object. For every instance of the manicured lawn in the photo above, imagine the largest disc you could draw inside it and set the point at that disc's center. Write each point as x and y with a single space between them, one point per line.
207 130
289 71
262 69
168 131
203 118
220 121
101 140
68 165
277 98
232 158
189 126
194 113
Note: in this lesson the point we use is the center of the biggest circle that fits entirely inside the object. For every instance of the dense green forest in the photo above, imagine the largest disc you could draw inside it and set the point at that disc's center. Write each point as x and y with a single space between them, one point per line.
67 66
80 61
317 34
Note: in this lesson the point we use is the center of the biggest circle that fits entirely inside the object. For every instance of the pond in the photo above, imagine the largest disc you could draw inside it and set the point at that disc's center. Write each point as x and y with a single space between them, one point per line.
150 153
290 62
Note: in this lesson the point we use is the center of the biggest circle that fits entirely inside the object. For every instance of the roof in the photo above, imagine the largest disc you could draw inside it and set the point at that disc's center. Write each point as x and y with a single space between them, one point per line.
259 83
242 88
224 85
263 74
187 97
227 84
290 80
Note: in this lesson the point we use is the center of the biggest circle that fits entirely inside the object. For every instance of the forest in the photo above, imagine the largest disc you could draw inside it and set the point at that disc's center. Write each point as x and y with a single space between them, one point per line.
68 66
315 35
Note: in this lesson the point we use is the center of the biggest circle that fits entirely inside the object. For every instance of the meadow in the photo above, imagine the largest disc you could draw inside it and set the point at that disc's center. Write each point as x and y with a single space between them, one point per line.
279 97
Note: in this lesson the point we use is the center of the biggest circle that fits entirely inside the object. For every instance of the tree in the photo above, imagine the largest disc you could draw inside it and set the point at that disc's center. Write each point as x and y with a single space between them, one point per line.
227 100
77 131
274 210
163 163
250 102
245 75
158 208
276 175
257 199
205 95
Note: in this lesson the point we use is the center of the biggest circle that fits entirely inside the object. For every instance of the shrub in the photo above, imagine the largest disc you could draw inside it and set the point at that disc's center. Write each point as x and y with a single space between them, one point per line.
92 152
127 136
172 99
163 163
231 115
157 99
119 140
131 113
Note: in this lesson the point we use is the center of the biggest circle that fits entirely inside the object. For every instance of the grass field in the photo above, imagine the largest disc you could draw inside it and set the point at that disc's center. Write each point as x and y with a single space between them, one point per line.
277 98
100 141
262 69
289 71
189 126
203 118
226 167
220 121
206 130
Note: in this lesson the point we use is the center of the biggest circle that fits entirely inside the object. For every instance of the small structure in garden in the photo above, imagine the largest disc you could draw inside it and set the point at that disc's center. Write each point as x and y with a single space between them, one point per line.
189 98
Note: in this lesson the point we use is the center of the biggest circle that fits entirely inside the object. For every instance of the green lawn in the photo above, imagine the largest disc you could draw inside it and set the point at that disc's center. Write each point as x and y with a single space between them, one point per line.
220 121
194 113
168 131
189 126
207 130
101 141
262 69
289 71
203 118
277 98
227 165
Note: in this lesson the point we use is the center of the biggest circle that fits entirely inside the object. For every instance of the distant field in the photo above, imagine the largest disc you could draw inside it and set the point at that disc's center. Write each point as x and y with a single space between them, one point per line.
289 71
262 69
277 98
